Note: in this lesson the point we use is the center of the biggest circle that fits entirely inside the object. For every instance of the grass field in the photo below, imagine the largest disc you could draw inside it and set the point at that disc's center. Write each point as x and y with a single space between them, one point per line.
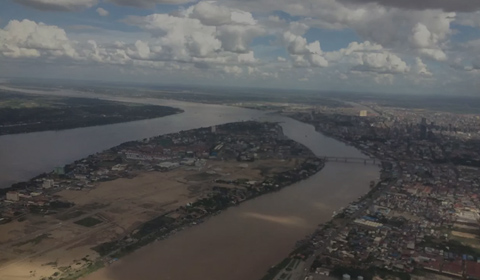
88 222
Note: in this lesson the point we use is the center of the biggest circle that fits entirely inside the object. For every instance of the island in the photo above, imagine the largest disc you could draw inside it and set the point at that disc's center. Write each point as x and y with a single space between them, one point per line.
22 113
85 215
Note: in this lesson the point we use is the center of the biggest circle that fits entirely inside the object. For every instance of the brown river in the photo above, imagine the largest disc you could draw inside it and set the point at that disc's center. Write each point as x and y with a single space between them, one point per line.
241 243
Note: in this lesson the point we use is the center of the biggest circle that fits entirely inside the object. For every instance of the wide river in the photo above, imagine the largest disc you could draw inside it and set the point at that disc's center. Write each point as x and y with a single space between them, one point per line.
239 244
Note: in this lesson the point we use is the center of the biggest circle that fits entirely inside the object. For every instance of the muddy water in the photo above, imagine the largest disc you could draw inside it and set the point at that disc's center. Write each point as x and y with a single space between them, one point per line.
243 242
239 244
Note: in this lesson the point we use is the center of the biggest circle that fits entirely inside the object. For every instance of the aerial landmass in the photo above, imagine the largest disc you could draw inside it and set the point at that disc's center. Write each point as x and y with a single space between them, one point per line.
420 221
87 214
21 113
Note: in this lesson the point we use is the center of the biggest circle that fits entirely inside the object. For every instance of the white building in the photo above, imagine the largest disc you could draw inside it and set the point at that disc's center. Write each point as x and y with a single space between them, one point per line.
13 196
168 165
119 167
48 183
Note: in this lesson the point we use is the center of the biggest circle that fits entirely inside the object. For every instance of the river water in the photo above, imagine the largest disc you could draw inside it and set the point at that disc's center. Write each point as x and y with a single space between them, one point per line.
239 244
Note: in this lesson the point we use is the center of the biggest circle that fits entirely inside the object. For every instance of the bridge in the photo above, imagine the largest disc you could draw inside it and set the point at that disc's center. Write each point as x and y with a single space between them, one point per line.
351 160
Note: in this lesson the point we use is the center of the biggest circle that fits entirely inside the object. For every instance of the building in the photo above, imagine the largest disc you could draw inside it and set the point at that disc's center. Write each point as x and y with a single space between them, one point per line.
214 129
59 170
47 184
368 224
363 113
168 165
13 196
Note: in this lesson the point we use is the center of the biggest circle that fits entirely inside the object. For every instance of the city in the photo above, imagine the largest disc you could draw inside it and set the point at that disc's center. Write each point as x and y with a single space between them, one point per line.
422 216
239 140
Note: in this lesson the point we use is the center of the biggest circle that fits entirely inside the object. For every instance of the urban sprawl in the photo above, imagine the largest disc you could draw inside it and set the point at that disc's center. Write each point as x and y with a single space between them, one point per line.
420 220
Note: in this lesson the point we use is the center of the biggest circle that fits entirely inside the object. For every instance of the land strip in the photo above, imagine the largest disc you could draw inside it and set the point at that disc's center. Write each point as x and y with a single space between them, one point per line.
88 214
22 113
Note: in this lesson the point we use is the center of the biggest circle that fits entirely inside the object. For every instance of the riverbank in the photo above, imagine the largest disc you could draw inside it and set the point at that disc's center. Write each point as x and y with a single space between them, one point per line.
186 196
274 221
410 224
23 113
301 260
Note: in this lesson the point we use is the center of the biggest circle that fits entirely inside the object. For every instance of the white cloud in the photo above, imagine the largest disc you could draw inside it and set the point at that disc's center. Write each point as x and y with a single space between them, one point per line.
28 39
181 38
421 68
427 42
469 19
386 79
382 62
232 70
202 30
247 58
369 57
59 5
447 5
102 12
146 3
237 38
142 51
390 27
210 14
304 54
216 36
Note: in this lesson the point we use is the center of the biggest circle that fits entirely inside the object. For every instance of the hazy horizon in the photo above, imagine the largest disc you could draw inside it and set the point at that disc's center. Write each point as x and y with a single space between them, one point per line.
386 46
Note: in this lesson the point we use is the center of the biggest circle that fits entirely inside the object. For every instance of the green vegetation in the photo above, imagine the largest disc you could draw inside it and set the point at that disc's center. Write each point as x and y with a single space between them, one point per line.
274 270
303 249
471 243
293 264
202 177
106 248
369 273
88 222
453 245
91 267
70 215
21 113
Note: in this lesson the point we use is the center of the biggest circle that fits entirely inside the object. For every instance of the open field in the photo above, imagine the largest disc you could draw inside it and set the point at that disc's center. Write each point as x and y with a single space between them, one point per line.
43 246
21 113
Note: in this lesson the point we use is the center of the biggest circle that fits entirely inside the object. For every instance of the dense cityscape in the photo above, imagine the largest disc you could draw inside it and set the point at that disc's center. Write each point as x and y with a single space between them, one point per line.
239 140
421 217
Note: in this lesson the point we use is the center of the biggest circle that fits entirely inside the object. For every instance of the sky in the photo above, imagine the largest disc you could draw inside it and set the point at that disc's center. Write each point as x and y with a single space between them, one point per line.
391 46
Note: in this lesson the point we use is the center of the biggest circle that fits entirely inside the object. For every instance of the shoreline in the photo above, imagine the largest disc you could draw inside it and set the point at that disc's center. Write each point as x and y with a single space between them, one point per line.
309 165
96 125
302 245
164 235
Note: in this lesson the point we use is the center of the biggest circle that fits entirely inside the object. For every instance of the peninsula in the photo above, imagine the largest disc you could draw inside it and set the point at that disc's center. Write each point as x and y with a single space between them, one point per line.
85 215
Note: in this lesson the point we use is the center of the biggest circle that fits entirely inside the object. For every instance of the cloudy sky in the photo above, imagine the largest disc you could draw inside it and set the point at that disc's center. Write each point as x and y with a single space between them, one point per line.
412 46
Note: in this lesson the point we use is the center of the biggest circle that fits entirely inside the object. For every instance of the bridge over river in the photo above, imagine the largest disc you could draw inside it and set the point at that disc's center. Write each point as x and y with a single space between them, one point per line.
351 160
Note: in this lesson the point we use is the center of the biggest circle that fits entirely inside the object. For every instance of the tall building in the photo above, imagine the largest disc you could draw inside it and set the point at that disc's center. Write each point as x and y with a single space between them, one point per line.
214 129
363 113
